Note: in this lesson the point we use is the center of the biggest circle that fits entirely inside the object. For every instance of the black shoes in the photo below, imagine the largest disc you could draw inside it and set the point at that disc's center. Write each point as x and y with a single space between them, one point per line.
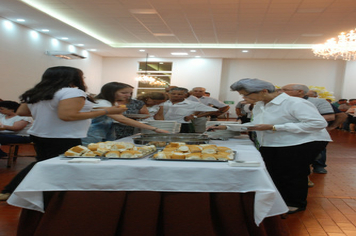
293 210
319 170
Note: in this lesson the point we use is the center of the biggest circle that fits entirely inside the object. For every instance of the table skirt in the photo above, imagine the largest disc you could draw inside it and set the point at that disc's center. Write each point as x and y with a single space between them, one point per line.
108 213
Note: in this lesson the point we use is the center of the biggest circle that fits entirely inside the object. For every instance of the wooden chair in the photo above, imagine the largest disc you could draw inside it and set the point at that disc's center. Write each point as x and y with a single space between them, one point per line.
14 150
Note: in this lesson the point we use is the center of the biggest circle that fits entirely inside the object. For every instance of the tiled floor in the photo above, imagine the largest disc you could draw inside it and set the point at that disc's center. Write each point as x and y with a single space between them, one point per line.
331 203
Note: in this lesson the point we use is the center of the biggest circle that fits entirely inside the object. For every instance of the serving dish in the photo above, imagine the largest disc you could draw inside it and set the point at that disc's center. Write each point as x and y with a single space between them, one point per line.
186 138
188 160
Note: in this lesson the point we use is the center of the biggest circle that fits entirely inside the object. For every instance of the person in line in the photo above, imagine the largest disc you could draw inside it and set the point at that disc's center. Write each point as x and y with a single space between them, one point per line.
324 108
290 132
179 109
152 100
101 128
243 111
124 97
62 111
200 124
13 128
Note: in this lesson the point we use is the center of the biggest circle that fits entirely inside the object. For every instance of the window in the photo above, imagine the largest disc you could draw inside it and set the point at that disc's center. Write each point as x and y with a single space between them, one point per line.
160 71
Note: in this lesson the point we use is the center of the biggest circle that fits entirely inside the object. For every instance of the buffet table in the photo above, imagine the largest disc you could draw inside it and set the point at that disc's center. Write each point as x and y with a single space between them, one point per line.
150 197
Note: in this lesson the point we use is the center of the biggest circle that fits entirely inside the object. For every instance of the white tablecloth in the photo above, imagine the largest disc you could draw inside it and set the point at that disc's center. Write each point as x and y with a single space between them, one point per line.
57 174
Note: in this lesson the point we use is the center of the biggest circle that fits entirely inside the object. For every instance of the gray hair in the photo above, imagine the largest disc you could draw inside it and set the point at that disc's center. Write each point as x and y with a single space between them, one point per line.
252 85
301 87
179 89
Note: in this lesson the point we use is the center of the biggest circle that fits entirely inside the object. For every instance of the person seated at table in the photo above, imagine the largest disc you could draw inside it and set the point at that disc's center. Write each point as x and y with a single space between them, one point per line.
61 110
13 128
152 100
290 132
102 128
179 109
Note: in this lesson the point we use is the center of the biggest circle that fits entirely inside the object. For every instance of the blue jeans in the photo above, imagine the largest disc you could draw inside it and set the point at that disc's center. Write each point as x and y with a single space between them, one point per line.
100 130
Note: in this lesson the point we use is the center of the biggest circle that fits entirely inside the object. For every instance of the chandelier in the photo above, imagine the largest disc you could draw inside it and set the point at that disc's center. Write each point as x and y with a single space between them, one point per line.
344 48
147 79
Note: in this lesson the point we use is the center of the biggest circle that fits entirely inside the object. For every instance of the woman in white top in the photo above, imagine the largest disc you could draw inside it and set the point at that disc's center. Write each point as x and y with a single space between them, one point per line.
61 112
13 128
102 128
290 133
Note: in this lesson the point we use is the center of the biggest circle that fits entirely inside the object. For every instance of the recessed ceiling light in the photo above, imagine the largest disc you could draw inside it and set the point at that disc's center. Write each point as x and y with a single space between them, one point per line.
193 50
45 30
142 50
179 53
244 51
20 20
161 63
64 38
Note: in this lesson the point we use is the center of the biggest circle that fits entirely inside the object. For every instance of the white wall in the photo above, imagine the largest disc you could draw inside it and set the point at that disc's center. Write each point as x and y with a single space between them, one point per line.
324 73
349 86
23 59
186 73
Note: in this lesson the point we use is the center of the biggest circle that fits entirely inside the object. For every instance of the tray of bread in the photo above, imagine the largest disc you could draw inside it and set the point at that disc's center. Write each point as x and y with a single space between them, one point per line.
111 150
161 140
180 151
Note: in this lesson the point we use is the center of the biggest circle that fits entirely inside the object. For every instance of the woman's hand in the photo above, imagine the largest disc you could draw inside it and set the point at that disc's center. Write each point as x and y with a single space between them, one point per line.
216 127
115 109
162 131
261 127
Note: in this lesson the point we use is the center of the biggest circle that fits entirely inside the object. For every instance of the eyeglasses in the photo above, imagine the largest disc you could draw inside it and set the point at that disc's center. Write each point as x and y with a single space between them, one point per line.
246 95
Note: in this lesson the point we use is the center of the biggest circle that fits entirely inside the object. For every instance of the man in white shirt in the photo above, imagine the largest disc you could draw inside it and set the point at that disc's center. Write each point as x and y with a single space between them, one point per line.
324 108
179 109
200 124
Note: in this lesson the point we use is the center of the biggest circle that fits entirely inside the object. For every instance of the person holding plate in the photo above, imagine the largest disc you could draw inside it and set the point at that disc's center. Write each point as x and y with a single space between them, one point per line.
290 133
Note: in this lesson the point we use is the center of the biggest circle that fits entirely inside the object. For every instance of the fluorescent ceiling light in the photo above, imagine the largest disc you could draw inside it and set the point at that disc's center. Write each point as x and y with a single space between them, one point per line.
193 50
244 51
179 53
143 11
142 50
20 20
163 35
45 30
64 38
53 13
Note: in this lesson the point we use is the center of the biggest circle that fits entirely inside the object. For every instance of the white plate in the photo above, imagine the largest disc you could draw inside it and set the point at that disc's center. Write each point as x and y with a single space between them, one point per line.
238 127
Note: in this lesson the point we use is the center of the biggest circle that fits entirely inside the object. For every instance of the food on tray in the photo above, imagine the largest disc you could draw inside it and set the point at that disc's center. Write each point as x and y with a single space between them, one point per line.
110 149
158 143
179 150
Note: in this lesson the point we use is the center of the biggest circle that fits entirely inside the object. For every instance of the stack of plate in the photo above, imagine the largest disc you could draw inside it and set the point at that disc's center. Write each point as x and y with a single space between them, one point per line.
171 126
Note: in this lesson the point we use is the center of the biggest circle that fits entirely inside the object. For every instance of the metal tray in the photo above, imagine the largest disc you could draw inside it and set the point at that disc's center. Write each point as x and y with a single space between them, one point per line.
110 158
188 160
144 141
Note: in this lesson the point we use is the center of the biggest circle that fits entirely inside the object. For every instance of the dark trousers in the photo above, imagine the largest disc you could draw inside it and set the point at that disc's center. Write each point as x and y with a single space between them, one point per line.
13 138
289 168
187 128
46 148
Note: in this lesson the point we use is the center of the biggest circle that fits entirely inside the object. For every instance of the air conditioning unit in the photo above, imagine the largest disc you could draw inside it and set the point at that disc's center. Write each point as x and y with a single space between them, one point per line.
64 55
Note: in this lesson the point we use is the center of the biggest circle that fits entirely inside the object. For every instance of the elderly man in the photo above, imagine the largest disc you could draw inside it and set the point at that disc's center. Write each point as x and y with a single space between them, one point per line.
199 92
179 109
324 108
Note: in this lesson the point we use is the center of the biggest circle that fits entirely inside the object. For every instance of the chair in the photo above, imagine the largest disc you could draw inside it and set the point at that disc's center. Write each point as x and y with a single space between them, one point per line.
13 152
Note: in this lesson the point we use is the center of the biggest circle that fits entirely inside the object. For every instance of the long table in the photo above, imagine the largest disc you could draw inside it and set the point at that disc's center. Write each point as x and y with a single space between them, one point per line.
158 193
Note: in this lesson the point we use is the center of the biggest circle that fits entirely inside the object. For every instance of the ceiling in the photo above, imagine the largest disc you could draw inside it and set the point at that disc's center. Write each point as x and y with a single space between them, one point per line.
269 29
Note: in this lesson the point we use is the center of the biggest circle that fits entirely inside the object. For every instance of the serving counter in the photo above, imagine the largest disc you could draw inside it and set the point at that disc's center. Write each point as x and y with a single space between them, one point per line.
150 197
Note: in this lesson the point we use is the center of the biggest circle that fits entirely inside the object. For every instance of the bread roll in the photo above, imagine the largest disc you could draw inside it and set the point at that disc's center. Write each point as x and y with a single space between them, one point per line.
131 154
177 155
223 149
208 156
89 154
194 148
70 153
161 155
183 148
118 147
193 156
112 154
93 146
209 149
79 149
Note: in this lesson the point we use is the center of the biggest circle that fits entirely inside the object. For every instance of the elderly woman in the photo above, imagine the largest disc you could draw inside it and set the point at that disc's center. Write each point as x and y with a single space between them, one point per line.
290 133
